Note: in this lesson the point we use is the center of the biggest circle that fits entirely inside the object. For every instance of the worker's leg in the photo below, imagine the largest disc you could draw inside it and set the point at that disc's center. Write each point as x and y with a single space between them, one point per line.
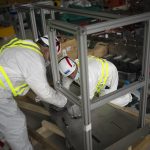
13 125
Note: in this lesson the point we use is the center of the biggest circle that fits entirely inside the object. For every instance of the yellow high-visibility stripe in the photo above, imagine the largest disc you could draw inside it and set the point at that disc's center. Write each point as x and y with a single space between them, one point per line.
15 91
8 81
106 75
21 86
2 84
98 86
7 45
22 90
25 44
105 69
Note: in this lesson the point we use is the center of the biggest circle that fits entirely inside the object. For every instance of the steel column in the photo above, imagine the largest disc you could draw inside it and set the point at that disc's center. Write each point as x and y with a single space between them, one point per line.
21 24
145 74
33 24
87 127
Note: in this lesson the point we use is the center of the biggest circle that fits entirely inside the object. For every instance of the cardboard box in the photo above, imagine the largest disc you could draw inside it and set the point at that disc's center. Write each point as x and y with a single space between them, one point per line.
7 31
69 48
100 50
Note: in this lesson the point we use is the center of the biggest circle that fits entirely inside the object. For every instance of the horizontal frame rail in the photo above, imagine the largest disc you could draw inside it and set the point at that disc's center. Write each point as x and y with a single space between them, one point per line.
64 26
98 27
92 14
116 94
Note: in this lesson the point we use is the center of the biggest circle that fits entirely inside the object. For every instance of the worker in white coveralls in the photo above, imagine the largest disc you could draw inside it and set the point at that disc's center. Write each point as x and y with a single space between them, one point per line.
103 78
22 65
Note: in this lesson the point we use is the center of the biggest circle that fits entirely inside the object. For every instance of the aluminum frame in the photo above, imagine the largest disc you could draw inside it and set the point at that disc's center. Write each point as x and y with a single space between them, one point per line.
52 9
92 14
142 83
81 34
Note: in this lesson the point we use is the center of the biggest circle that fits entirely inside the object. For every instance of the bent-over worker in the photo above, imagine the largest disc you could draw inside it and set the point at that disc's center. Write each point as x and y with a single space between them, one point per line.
103 77
22 66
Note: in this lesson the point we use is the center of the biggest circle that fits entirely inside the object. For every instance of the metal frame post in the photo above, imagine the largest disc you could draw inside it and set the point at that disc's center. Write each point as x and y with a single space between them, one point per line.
53 56
87 127
145 74
43 21
52 14
21 24
33 24
68 28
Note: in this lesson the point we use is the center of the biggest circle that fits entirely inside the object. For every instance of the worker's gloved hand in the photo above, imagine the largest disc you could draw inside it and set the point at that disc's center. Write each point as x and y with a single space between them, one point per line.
74 111
60 100
37 99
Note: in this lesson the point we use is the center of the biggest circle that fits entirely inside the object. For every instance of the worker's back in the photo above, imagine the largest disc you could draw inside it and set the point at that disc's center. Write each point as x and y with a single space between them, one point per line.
96 70
19 63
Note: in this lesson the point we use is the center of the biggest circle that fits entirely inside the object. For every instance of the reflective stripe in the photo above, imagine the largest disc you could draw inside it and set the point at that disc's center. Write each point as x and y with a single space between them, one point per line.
22 90
2 84
104 74
14 43
100 81
15 91
21 43
8 44
8 81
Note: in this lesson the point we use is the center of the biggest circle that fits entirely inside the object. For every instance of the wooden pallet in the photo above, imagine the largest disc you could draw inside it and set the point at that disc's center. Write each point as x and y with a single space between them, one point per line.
47 129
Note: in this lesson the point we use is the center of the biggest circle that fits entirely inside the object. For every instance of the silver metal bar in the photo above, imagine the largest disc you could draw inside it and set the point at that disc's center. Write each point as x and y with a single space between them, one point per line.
145 73
52 14
80 12
53 57
43 22
111 96
21 24
67 27
82 42
33 24
117 23
71 96
127 141
24 7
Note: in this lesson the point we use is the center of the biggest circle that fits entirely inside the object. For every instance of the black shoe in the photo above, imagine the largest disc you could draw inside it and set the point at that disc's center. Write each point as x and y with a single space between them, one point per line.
134 101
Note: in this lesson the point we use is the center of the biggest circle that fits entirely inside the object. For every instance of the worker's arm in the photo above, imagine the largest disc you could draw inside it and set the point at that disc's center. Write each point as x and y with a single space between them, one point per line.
32 66
66 82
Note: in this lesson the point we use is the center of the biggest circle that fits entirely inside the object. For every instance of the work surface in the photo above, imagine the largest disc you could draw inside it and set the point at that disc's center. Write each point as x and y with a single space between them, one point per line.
108 126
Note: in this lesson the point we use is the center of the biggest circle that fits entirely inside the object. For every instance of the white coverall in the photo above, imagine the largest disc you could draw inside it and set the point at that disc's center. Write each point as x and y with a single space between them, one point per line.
94 68
23 66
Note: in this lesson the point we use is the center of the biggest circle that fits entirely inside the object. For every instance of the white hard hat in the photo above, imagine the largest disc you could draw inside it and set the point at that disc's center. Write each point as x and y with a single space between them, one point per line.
67 66
45 41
